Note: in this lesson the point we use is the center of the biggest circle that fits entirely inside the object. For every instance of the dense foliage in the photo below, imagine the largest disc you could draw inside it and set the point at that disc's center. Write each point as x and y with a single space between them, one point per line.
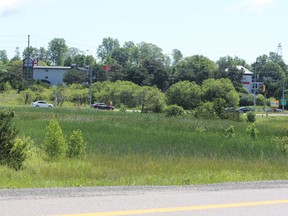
145 65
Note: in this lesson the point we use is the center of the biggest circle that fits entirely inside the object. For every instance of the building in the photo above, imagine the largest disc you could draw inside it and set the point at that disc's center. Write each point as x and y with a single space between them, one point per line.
248 81
53 75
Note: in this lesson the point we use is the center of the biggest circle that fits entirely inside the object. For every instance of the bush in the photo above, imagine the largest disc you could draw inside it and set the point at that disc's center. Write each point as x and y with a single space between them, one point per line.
76 145
229 132
252 131
20 152
54 143
13 149
251 116
206 111
174 110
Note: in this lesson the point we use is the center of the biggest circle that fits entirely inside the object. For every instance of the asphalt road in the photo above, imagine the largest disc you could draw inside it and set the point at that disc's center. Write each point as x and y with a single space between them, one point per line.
250 198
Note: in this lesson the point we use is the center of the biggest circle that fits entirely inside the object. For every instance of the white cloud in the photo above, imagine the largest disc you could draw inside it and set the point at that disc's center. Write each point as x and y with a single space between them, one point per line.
8 7
251 5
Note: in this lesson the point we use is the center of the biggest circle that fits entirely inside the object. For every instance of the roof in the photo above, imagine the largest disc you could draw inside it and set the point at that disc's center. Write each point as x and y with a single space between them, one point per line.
60 67
52 67
246 71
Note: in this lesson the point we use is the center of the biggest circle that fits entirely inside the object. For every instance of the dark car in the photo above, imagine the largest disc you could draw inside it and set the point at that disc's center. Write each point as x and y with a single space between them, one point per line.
102 106
244 109
276 110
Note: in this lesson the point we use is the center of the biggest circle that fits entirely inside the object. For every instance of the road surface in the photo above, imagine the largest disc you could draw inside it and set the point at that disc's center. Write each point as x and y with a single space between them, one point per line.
241 199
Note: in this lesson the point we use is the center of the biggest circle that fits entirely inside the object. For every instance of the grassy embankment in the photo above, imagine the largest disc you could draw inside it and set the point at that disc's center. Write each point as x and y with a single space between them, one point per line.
149 149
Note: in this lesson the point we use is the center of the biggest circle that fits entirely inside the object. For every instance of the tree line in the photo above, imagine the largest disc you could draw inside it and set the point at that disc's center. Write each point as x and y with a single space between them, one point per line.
145 64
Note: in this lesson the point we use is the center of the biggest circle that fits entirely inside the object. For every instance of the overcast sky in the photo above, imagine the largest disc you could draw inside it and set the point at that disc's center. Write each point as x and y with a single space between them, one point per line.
243 28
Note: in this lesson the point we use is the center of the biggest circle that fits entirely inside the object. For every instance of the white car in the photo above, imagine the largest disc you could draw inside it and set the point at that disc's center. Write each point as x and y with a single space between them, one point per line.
41 104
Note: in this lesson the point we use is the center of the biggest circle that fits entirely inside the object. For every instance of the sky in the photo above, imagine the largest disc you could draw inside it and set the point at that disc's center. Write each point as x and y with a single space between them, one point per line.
242 28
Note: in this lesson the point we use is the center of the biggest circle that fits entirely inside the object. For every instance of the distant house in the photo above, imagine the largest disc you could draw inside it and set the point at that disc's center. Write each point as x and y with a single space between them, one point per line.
247 81
52 75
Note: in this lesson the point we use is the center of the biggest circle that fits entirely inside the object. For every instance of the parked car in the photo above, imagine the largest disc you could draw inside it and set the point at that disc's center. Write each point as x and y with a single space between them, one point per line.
276 110
244 109
102 106
41 104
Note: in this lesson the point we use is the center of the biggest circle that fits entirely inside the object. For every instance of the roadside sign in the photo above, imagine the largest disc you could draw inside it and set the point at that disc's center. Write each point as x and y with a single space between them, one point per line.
274 103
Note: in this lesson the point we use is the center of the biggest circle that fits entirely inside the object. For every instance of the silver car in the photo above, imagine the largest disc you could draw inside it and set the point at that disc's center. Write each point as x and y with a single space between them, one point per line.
41 104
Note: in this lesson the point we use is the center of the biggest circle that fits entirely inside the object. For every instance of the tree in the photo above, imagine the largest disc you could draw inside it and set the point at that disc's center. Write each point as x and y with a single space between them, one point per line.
107 47
176 56
7 135
54 142
57 50
17 54
74 76
228 62
235 75
150 99
121 56
14 149
3 57
195 68
15 74
157 74
32 52
185 94
221 92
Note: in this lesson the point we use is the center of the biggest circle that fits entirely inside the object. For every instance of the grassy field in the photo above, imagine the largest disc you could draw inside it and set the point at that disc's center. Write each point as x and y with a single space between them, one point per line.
149 149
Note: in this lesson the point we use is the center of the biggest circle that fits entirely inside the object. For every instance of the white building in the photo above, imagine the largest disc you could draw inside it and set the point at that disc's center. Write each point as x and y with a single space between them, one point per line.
52 75
247 81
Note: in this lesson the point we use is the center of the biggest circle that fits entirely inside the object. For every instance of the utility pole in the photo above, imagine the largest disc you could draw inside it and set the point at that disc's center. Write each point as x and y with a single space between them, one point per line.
90 68
90 81
254 87
28 63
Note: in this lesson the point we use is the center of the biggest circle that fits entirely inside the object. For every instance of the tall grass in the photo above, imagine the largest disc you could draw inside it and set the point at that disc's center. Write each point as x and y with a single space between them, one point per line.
149 149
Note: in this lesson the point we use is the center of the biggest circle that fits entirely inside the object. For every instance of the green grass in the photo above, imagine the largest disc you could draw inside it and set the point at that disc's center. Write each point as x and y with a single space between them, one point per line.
148 149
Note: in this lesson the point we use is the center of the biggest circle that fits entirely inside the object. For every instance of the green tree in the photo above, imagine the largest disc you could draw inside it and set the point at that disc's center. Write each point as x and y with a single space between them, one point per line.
74 76
107 47
57 50
13 148
221 92
15 72
195 68
176 56
185 94
17 55
54 142
3 57
229 62
7 135
32 52
76 145
150 99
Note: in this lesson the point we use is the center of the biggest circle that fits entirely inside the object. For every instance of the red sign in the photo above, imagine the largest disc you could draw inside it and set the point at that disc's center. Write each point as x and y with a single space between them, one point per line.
106 68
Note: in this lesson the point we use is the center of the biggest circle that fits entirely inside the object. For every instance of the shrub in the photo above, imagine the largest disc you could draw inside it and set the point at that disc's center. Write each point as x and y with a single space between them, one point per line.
122 108
229 132
13 149
206 111
174 110
20 151
252 131
76 145
54 143
282 143
251 116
